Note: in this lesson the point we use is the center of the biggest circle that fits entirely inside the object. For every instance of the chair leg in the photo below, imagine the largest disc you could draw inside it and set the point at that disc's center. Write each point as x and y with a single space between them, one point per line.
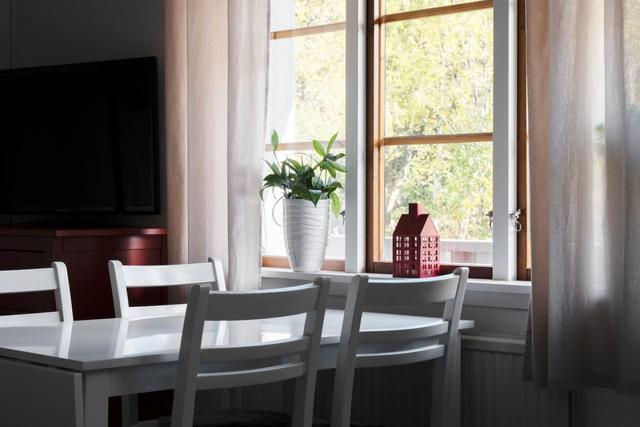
303 402
342 397
446 392
129 410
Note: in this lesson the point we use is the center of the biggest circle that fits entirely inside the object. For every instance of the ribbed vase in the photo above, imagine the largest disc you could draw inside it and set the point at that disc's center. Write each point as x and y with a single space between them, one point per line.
305 233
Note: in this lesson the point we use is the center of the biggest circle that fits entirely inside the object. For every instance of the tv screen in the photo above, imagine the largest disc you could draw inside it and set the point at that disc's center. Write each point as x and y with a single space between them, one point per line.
80 138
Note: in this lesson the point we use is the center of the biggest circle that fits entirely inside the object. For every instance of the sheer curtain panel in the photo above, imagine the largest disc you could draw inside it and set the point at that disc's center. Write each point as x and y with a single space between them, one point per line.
583 64
216 71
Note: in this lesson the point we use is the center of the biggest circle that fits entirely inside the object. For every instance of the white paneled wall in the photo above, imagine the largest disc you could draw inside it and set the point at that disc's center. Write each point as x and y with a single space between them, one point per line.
494 394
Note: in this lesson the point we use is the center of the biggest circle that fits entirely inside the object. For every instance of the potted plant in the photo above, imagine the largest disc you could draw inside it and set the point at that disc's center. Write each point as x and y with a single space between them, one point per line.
308 185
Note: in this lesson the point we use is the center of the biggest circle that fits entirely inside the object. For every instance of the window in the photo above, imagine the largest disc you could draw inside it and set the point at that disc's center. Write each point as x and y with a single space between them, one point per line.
438 130
431 129
306 101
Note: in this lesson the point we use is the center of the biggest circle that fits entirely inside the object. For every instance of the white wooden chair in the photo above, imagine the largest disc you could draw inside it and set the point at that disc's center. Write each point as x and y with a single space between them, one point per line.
387 295
277 361
36 280
140 276
25 384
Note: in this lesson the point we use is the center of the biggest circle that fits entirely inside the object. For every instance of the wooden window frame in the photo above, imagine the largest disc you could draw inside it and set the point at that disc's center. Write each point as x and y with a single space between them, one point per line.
376 139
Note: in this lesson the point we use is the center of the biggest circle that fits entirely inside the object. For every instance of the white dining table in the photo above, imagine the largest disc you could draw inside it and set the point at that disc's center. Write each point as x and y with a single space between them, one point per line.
51 366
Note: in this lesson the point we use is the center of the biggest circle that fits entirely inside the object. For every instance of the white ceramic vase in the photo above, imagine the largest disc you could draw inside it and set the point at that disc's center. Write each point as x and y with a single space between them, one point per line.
305 233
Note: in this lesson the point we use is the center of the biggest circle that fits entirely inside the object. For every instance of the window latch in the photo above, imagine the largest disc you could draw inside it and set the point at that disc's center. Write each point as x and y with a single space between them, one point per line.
514 219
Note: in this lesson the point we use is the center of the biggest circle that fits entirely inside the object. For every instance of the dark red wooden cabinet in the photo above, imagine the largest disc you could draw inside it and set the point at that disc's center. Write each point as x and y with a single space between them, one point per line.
85 251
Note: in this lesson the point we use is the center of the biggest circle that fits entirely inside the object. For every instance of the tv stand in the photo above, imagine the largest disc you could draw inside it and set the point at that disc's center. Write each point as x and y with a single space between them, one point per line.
85 250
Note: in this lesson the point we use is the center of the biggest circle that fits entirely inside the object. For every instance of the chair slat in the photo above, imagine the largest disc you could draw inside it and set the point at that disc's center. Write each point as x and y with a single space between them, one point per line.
29 318
262 304
157 310
22 281
247 377
270 349
35 280
404 334
387 293
403 357
142 276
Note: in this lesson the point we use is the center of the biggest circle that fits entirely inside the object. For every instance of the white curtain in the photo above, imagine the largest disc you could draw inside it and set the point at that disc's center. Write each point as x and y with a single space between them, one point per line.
583 64
216 58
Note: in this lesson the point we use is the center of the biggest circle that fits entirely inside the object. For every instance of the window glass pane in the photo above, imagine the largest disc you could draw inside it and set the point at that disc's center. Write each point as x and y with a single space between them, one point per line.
395 6
307 87
272 225
439 75
454 183
289 14
306 99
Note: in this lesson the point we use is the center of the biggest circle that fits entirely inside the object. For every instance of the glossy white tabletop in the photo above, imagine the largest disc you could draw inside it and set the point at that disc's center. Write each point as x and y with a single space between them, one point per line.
108 343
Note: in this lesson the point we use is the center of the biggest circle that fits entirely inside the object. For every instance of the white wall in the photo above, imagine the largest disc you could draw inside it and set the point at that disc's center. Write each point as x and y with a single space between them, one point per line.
51 32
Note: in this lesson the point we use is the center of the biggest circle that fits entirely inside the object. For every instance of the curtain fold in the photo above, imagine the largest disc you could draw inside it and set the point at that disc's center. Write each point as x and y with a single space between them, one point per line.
216 66
248 71
583 65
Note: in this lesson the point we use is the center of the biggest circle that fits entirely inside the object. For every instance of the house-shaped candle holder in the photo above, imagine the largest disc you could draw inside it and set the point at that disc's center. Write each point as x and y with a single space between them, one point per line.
416 245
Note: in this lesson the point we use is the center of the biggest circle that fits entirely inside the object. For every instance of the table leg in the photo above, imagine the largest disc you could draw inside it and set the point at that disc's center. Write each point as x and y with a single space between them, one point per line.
96 399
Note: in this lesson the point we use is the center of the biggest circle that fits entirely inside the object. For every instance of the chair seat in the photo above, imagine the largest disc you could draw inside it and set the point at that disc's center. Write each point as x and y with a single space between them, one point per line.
247 418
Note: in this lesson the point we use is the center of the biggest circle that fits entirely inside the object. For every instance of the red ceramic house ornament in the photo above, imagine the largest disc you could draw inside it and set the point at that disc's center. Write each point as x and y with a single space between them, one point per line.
416 245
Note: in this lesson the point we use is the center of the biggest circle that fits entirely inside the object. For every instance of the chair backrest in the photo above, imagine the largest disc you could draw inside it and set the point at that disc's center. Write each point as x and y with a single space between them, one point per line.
277 361
37 280
143 276
389 294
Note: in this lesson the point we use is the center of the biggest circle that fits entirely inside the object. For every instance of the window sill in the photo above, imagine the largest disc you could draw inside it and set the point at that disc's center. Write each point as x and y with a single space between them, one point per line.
480 292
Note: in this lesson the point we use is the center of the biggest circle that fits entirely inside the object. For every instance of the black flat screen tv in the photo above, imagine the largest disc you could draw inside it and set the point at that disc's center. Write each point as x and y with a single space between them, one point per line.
80 138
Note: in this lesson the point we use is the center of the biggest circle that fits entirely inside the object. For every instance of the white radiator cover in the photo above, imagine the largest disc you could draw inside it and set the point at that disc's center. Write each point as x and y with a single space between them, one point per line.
494 394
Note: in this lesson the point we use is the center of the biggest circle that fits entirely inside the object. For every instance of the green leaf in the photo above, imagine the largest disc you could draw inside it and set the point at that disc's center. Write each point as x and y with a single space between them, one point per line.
315 195
316 182
318 148
275 180
294 164
331 141
335 204
273 167
337 166
334 186
275 140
